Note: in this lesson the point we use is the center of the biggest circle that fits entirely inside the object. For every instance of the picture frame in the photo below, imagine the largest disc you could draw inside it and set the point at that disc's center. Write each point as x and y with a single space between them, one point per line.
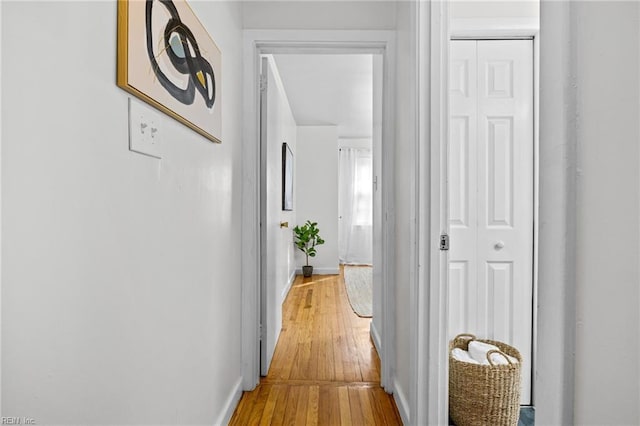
287 178
167 58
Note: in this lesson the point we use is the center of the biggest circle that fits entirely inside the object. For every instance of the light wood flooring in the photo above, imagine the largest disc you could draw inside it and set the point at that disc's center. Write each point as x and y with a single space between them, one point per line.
325 370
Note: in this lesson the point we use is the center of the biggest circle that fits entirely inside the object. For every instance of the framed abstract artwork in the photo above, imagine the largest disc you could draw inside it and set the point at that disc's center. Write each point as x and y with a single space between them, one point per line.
167 59
287 177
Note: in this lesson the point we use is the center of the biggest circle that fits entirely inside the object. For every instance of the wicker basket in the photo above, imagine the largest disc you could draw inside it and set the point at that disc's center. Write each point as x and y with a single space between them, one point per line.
484 394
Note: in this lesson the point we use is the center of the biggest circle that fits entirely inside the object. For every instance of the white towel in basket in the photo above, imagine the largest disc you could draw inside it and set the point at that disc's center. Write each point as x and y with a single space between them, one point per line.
478 351
462 355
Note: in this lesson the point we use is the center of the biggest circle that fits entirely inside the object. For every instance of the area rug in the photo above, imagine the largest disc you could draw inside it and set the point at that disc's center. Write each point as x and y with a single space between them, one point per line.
359 281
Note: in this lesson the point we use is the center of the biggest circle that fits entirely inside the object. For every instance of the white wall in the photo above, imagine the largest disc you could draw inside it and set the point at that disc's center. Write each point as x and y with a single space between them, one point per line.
316 192
590 102
554 359
364 143
507 18
279 253
1 240
404 205
319 15
121 273
494 9
606 65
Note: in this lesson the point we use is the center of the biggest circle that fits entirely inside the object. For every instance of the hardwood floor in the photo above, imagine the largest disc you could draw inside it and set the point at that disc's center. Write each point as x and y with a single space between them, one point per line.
325 370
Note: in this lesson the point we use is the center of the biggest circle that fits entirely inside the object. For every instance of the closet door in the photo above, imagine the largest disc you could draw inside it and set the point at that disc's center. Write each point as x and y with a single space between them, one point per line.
463 187
491 181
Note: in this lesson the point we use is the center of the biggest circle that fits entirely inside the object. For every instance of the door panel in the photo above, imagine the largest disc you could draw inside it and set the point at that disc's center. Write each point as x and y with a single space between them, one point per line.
491 193
500 300
499 79
460 310
275 240
463 184
267 341
499 170
459 180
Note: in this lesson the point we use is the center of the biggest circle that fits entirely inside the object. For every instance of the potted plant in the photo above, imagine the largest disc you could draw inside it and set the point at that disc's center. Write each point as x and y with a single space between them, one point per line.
306 239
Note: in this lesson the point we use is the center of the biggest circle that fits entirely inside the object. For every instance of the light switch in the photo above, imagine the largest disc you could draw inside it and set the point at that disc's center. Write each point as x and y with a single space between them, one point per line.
145 133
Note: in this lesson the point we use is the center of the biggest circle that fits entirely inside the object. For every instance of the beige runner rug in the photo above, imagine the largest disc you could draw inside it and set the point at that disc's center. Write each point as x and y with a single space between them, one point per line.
359 282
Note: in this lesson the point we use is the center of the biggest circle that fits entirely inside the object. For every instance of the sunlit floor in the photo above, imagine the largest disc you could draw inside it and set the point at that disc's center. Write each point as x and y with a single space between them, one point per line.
325 369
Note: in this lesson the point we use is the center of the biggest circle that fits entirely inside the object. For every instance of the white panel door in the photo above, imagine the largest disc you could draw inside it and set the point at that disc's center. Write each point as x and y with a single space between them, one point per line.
463 186
270 205
491 194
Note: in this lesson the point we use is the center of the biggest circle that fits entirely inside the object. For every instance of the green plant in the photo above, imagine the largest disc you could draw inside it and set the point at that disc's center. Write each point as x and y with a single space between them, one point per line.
307 238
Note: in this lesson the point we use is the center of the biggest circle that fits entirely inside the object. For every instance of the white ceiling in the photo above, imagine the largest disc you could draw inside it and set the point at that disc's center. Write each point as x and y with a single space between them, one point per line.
330 90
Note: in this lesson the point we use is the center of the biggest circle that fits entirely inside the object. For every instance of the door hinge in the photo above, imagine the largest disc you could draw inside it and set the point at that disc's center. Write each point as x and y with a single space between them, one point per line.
263 82
444 241
260 332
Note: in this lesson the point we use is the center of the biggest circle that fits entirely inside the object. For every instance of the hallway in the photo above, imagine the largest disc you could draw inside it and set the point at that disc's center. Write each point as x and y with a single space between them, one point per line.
325 369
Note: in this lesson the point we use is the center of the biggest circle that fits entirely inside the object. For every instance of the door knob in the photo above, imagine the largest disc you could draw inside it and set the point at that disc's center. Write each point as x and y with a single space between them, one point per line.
284 224
499 245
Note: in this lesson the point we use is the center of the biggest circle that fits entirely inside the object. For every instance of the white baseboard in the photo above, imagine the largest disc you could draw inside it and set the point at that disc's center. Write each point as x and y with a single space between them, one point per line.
287 287
230 405
322 271
401 402
375 336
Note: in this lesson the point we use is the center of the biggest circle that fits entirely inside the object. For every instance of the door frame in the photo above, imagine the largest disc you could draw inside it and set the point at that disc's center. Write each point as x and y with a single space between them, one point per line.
555 299
429 315
516 29
1 203
257 43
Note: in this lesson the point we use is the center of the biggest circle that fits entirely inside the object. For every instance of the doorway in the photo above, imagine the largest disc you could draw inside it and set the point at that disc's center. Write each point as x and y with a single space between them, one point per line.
258 45
492 194
355 202
355 222
318 104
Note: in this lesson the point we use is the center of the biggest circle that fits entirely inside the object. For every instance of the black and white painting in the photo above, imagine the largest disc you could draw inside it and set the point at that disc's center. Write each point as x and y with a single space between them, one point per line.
287 177
167 58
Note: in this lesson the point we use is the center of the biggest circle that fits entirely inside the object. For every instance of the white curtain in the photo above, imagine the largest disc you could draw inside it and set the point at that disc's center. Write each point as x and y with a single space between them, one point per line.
355 206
